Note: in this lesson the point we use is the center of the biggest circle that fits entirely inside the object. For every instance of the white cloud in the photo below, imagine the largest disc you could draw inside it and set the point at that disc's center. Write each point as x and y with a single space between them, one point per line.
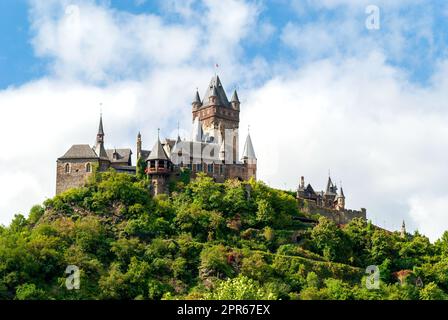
385 139
98 44
431 214
383 136
148 70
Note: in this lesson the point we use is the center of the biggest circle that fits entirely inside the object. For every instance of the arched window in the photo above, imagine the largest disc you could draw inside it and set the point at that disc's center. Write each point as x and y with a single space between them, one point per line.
88 167
67 168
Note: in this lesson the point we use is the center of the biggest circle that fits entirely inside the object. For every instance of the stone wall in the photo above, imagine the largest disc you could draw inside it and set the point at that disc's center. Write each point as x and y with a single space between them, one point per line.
76 177
338 216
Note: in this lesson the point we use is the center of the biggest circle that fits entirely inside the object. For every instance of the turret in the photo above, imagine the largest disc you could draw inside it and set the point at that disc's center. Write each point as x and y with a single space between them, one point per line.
196 101
403 230
158 168
99 145
235 101
139 146
213 98
249 158
340 200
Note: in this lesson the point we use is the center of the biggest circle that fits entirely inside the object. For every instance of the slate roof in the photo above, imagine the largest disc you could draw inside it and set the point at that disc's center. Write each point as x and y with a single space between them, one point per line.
216 88
235 97
100 151
145 154
80 151
197 98
249 152
124 155
100 129
158 152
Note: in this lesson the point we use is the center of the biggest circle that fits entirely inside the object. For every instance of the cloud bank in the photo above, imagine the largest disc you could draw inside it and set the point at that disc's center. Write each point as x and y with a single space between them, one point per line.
336 101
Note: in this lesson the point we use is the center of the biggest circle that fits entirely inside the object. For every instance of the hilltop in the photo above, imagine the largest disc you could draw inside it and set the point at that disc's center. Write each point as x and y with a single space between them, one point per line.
207 240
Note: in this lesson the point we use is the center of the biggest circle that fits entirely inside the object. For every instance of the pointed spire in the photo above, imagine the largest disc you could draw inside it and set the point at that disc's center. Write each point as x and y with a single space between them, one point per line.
235 97
100 129
139 136
216 89
99 146
158 152
341 193
197 98
329 184
249 152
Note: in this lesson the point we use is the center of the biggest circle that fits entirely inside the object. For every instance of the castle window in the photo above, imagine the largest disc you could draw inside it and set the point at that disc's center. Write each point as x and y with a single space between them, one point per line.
199 167
67 168
88 167
210 168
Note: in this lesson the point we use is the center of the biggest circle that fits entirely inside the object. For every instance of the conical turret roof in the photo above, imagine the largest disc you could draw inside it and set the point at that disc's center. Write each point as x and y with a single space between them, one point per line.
249 152
215 88
157 152
197 98
235 97
101 129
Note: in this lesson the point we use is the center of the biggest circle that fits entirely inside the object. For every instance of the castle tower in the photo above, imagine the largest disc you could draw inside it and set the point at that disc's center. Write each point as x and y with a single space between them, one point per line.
219 118
196 101
235 101
302 183
139 146
99 149
330 193
158 168
340 200
403 230
249 158
76 165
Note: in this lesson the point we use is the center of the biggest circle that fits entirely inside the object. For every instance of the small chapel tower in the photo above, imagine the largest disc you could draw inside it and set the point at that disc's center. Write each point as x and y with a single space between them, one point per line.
158 168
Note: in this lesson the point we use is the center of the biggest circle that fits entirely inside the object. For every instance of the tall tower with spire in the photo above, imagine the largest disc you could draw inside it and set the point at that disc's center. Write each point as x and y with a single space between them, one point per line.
249 158
159 168
139 146
340 200
403 230
99 148
219 118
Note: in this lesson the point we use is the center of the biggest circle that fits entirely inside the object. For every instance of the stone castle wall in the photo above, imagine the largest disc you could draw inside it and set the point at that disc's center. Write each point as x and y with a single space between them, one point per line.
338 216
77 176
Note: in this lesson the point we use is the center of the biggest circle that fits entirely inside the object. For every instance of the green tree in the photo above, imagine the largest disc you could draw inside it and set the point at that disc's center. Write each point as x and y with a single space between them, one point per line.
329 241
29 291
240 288
432 292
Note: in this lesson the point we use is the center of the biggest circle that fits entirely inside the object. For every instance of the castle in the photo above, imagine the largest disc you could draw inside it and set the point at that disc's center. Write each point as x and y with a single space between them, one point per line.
329 203
212 149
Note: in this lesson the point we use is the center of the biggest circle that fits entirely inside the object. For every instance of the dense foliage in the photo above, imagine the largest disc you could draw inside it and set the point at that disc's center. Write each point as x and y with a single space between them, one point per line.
237 240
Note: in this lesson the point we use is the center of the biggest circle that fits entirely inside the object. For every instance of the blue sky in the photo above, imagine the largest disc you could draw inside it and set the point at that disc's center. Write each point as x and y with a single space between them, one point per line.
20 64
319 90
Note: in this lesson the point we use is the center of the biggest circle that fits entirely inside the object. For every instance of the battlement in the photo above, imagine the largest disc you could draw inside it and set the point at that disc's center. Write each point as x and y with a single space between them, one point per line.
339 216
